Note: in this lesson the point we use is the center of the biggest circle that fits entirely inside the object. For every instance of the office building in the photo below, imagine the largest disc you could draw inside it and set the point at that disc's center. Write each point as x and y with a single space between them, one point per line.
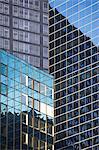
26 106
73 61
24 30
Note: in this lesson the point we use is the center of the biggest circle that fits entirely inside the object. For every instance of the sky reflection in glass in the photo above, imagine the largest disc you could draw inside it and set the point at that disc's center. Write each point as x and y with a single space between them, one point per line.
83 14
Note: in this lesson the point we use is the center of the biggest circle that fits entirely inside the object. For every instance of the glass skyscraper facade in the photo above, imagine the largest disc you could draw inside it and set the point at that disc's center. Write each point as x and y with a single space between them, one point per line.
26 106
24 30
74 62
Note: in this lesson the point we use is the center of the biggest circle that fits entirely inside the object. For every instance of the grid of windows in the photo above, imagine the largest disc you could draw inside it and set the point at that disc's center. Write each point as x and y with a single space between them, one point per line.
73 60
26 106
25 22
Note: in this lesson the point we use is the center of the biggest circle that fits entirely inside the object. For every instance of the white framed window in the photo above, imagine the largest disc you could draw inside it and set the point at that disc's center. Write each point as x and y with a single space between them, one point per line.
1 31
26 25
45 29
45 6
36 39
45 19
45 63
20 23
26 36
1 19
21 35
15 10
15 34
21 2
26 13
6 9
6 32
37 16
21 48
1 7
15 2
45 52
37 4
15 46
26 48
6 20
30 3
45 40
21 10
15 22
26 3
6 44
1 43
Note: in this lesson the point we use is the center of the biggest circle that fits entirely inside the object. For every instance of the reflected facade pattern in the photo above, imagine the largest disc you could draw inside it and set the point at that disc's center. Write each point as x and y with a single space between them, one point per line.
24 30
26 106
73 61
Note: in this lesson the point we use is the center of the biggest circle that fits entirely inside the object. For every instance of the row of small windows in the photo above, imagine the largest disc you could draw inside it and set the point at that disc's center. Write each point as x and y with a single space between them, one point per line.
83 76
73 81
25 36
71 56
26 25
34 16
74 130
62 34
87 108
82 93
34 60
67 72
28 3
31 4
65 23
83 136
29 49
75 63
70 141
74 97
26 13
74 123
29 37
83 44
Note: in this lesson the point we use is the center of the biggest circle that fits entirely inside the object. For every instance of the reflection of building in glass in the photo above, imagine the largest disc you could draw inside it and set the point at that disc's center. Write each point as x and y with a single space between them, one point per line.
26 106
73 59
24 30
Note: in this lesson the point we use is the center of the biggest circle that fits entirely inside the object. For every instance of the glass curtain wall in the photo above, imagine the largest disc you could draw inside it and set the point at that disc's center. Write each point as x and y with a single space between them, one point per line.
73 61
26 106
